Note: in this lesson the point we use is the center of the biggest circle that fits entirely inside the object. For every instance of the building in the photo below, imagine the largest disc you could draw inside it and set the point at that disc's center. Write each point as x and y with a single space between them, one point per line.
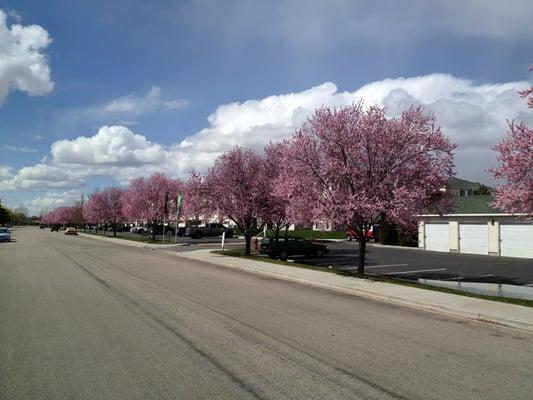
475 227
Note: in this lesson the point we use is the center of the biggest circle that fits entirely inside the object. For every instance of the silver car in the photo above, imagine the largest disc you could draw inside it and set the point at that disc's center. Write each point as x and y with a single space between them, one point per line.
5 235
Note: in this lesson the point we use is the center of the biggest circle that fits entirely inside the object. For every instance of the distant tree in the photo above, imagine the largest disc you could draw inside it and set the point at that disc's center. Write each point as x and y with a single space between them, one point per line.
105 207
351 165
515 156
5 215
484 190
151 199
238 187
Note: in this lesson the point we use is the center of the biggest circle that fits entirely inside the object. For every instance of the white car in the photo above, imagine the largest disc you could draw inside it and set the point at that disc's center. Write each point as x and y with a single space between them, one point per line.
5 235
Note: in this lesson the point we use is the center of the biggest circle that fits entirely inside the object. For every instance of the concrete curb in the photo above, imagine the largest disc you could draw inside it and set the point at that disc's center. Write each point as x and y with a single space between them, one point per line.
437 308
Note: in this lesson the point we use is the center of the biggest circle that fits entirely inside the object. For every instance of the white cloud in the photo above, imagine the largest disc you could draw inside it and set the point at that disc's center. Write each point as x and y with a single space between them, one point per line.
51 200
20 149
5 172
23 66
126 108
319 24
473 115
112 145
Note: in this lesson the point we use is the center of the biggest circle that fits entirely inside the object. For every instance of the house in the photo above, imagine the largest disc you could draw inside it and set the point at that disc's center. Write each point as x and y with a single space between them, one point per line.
463 188
475 227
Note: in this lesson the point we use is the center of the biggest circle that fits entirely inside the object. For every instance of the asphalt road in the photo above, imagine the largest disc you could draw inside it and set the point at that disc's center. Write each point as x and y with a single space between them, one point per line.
85 319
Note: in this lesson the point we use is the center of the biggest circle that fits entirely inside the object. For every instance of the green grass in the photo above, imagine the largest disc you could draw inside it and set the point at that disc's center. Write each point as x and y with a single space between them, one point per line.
240 253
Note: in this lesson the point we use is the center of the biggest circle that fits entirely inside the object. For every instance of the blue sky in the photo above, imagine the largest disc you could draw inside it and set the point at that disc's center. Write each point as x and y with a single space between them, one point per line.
181 81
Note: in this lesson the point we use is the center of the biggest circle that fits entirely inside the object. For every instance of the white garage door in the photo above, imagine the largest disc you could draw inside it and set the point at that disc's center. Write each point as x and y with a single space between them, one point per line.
437 237
516 240
474 238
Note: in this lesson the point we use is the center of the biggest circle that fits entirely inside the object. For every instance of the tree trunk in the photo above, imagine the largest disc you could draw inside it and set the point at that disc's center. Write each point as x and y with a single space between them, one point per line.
248 240
153 231
362 253
114 230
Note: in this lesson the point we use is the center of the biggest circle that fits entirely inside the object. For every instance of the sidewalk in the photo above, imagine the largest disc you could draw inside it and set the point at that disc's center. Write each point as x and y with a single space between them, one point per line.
510 315
132 243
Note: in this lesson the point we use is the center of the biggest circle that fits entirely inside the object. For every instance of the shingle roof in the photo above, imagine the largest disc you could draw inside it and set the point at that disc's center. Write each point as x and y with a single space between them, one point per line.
456 183
475 205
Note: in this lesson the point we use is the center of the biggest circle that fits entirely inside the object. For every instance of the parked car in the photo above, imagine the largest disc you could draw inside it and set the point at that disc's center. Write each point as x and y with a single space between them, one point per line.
372 234
212 229
169 230
5 235
42 226
70 231
54 228
283 247
139 229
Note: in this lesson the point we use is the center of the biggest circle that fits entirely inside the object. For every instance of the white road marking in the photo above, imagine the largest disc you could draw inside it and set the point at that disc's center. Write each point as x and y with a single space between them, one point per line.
384 266
484 276
415 271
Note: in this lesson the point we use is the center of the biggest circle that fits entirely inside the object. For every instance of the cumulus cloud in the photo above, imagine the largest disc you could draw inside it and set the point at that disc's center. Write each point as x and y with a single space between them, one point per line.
112 145
126 108
23 66
50 200
472 115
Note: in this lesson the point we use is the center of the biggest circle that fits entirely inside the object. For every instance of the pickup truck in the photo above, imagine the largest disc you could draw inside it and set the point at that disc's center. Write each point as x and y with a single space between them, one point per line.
208 230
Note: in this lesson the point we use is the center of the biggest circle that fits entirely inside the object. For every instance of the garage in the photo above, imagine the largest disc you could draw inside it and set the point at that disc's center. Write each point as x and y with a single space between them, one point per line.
516 240
474 238
437 236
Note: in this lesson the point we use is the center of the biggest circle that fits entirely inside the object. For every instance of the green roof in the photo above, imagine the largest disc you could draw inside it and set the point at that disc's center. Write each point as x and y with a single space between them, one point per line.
475 205
456 183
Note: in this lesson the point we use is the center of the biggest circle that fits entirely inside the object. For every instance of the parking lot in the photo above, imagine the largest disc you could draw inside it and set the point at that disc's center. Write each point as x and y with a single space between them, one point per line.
415 263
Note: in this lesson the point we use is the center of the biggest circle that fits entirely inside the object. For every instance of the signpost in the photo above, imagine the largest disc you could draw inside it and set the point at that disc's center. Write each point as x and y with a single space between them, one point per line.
222 244
179 197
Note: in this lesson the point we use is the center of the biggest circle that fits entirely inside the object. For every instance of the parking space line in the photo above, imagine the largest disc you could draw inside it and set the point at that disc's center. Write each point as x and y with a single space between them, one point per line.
388 265
415 271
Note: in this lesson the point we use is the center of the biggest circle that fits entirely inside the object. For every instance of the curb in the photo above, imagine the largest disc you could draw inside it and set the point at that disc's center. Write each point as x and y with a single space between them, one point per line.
520 325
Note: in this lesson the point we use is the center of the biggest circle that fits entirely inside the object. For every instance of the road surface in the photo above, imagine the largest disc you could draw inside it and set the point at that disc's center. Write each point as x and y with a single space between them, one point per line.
85 319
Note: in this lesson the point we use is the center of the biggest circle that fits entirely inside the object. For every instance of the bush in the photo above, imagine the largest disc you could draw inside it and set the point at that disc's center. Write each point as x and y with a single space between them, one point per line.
388 234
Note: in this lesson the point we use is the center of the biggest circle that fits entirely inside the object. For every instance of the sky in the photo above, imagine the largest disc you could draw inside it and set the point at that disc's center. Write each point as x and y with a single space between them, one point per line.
93 94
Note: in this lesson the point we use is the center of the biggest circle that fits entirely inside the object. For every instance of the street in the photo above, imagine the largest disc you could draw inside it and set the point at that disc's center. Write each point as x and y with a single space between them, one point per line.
86 319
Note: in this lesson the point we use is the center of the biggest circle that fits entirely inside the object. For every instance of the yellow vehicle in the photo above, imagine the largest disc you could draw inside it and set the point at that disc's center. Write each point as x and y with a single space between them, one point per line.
70 231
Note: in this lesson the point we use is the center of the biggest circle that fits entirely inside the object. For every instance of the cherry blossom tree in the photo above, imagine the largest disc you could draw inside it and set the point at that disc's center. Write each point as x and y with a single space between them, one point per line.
516 166
237 187
350 166
62 216
151 199
106 207
277 216
195 199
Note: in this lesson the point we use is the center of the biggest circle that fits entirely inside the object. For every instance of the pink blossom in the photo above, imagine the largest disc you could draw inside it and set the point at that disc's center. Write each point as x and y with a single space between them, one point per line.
350 166
151 199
